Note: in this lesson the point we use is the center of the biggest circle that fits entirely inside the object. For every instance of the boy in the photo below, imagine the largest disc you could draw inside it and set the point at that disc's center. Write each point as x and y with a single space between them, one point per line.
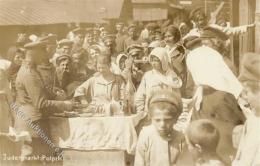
202 138
158 143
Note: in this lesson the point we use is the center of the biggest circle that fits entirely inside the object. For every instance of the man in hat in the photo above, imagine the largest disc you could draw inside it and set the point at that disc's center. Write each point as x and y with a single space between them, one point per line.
65 46
63 74
89 38
32 99
46 69
120 37
79 35
133 37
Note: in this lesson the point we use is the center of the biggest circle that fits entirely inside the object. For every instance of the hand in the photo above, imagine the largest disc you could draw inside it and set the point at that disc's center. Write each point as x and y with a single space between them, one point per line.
129 62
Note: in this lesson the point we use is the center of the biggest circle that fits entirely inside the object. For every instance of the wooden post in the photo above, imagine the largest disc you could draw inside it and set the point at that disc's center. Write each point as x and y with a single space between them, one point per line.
257 28
235 39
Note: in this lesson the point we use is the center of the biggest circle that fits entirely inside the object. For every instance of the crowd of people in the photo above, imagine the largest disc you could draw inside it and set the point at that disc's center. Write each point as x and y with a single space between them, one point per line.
166 72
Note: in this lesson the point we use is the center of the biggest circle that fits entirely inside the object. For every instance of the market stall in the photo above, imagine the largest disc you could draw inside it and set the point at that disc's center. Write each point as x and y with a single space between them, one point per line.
95 140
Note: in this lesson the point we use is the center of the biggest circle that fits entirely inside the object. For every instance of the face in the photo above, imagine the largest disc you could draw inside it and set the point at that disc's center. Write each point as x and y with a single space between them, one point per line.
122 63
18 58
132 32
79 39
103 68
64 66
66 49
169 38
51 48
253 98
201 20
78 60
163 121
119 27
89 38
158 36
156 63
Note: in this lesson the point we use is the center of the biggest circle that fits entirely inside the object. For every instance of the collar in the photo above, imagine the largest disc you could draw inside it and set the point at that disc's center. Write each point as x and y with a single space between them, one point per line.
100 80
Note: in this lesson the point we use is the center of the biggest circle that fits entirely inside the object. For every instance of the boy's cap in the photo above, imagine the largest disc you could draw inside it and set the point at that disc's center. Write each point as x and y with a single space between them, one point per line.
250 69
62 57
210 32
65 42
89 30
132 26
172 97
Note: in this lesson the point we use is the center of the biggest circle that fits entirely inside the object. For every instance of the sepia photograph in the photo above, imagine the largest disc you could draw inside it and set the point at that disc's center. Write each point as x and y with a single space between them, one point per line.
129 82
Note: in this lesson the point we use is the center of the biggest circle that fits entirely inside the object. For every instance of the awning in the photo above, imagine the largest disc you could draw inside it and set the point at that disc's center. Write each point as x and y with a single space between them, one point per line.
36 12
149 14
149 1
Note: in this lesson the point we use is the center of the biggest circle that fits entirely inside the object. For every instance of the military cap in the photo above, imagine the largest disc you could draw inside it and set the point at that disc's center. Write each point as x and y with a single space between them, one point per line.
65 42
171 97
132 26
49 39
110 37
134 48
61 57
120 23
191 41
35 45
210 32
78 31
89 30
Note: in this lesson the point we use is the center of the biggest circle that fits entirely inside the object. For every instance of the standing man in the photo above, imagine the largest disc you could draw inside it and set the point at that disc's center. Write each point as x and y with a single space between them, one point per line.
120 37
79 35
32 100
133 37
46 69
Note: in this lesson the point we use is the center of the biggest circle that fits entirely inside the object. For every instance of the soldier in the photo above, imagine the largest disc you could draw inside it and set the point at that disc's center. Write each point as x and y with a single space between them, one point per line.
46 69
32 99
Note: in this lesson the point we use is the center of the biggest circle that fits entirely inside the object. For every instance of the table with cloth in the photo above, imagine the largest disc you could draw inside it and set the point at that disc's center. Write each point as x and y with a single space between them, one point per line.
93 136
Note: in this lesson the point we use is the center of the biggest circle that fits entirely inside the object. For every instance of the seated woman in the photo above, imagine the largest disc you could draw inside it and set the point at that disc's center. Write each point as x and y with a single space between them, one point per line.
160 77
102 89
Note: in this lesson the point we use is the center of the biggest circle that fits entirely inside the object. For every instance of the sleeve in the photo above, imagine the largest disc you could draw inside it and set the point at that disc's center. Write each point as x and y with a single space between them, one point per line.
83 89
37 94
141 149
122 88
140 96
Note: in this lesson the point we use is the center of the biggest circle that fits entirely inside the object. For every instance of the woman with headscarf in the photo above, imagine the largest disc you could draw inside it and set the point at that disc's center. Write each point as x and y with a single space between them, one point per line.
160 77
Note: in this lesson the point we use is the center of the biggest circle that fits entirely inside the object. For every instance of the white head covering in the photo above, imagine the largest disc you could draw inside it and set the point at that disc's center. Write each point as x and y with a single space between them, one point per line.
119 57
161 53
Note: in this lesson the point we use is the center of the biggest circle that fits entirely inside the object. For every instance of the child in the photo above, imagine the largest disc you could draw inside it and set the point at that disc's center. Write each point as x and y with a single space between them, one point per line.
202 138
158 143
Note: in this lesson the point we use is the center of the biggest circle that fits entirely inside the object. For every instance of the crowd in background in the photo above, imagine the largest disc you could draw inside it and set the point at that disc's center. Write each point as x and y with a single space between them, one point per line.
176 68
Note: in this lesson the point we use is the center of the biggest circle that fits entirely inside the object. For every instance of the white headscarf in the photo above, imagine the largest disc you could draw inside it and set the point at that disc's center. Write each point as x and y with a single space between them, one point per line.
161 53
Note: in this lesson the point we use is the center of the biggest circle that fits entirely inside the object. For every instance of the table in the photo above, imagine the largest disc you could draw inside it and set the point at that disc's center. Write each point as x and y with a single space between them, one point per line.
94 136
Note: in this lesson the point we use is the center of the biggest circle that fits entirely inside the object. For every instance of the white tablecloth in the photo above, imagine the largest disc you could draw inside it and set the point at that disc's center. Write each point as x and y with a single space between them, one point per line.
96 133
